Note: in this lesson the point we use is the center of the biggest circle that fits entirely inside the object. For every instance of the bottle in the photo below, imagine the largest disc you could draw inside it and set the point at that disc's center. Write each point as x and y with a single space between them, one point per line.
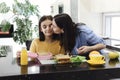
24 56
24 69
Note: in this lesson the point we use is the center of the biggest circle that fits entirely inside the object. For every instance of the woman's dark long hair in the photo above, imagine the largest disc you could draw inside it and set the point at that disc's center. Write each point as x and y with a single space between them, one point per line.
41 35
67 39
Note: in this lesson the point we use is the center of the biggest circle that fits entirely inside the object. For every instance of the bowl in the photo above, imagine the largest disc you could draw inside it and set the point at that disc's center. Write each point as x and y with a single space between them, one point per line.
45 57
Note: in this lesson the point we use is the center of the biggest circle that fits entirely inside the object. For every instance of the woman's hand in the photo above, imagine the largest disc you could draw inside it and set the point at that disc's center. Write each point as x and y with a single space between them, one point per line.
84 49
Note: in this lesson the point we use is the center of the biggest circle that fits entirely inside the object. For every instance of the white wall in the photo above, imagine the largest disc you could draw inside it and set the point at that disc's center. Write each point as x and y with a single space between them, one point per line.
92 19
85 15
90 11
105 5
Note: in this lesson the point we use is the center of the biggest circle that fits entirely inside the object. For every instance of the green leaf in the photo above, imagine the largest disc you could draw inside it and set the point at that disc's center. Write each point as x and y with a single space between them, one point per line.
22 12
5 26
4 8
78 59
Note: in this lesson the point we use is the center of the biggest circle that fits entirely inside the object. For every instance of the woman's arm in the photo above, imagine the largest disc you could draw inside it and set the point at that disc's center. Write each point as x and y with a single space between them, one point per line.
91 41
85 49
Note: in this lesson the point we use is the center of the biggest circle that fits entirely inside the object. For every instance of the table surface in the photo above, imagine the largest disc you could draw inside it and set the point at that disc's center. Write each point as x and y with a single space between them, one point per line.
10 69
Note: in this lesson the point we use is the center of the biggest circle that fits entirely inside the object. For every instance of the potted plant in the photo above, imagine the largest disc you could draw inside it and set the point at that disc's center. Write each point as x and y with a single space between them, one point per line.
4 25
6 29
22 12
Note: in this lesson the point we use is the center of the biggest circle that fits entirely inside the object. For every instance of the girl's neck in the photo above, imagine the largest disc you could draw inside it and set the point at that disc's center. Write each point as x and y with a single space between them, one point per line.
48 39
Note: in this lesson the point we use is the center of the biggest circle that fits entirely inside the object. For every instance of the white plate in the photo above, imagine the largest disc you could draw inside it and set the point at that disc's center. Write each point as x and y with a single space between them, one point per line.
47 61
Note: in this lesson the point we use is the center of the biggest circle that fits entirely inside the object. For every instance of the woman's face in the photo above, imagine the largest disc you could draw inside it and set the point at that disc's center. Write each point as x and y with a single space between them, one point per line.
56 29
46 27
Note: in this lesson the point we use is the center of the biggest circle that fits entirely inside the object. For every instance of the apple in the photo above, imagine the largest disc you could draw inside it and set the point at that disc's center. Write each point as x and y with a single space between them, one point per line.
113 55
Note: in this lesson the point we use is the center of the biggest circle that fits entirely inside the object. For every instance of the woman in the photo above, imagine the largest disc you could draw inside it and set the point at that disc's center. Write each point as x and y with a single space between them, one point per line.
76 38
47 41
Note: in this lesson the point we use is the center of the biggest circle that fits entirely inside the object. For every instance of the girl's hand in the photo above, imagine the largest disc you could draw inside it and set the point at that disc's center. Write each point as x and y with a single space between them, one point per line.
18 54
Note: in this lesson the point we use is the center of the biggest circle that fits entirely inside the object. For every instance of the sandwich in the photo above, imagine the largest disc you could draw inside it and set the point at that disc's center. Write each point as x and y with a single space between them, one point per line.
61 58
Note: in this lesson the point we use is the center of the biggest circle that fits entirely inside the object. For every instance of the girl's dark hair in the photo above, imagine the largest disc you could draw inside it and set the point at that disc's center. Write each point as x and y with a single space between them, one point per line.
67 39
41 35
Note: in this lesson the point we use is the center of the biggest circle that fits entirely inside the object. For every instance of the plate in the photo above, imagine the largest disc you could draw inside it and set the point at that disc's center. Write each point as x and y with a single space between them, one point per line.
32 55
43 62
96 64
45 57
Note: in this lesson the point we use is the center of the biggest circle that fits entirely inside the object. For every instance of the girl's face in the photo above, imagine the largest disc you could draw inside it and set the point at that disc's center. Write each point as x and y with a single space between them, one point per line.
56 29
46 28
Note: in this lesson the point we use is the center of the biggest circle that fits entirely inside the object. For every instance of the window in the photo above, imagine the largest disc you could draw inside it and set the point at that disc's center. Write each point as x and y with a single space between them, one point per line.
111 23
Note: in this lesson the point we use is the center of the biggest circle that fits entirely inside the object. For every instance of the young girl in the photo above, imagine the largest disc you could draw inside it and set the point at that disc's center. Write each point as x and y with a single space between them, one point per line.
48 41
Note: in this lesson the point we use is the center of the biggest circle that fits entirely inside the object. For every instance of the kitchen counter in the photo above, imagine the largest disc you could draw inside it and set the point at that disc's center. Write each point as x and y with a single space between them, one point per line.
11 70
112 43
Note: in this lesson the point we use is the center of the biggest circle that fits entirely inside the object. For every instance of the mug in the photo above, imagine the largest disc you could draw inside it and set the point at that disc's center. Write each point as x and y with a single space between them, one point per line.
97 57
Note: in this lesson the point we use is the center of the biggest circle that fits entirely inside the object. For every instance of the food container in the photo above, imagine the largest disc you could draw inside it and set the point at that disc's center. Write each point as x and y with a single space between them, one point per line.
45 57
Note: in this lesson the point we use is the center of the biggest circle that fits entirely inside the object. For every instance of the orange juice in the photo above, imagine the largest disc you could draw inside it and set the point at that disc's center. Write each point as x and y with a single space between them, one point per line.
24 57
24 69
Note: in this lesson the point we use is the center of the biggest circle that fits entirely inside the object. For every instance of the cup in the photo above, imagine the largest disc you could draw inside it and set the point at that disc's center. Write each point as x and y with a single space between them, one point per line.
97 57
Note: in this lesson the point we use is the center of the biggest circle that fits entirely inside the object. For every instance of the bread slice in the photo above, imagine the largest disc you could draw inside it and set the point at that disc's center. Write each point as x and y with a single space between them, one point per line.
62 58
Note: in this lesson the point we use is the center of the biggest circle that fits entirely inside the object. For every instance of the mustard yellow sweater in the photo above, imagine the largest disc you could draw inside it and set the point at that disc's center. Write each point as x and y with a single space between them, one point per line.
42 47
